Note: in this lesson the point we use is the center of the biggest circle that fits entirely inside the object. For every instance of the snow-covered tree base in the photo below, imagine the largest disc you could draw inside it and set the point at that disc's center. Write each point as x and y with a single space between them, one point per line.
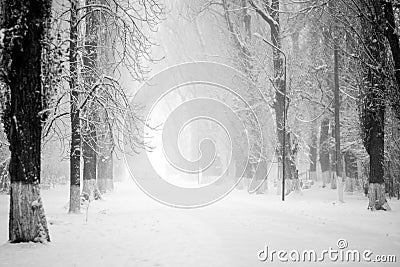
27 218
377 199
74 200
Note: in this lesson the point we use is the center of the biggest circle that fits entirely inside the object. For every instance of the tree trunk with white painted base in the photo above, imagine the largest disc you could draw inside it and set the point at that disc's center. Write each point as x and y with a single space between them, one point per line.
373 106
24 101
27 217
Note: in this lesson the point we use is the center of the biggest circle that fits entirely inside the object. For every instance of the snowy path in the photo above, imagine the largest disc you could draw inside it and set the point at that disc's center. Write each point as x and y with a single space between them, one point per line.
129 229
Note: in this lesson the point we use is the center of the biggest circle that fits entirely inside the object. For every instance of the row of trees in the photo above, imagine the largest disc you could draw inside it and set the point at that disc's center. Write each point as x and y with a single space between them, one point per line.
65 61
340 55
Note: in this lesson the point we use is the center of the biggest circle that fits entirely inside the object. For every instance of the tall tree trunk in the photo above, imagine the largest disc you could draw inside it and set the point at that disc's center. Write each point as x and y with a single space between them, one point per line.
22 118
374 118
279 71
314 43
392 35
89 144
75 150
324 157
333 158
373 107
338 159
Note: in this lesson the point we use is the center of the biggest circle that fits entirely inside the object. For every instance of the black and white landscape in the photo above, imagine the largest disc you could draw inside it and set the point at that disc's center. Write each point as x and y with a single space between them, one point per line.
199 133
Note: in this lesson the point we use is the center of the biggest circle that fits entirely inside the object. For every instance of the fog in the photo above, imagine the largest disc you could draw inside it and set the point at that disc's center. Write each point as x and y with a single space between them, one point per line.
199 133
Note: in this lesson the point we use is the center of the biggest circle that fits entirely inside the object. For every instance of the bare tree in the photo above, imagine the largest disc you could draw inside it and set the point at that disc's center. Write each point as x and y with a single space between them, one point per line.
75 147
23 28
374 103
103 38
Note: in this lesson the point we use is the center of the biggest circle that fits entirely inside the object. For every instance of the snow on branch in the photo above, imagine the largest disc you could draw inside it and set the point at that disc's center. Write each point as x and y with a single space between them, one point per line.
265 15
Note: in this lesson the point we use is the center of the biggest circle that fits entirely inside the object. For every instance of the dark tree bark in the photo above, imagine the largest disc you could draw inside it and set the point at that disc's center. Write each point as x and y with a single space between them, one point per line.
324 157
392 35
279 70
374 116
373 106
75 150
332 156
338 159
25 24
89 142
313 46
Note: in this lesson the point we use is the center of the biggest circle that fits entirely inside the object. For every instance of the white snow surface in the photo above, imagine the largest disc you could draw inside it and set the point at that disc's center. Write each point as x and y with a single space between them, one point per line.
127 228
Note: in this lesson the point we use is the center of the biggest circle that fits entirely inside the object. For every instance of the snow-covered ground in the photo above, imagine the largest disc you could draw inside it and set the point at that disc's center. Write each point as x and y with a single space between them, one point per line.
127 228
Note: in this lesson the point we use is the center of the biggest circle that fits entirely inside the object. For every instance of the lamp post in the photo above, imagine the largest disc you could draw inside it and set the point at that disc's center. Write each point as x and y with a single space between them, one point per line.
284 112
